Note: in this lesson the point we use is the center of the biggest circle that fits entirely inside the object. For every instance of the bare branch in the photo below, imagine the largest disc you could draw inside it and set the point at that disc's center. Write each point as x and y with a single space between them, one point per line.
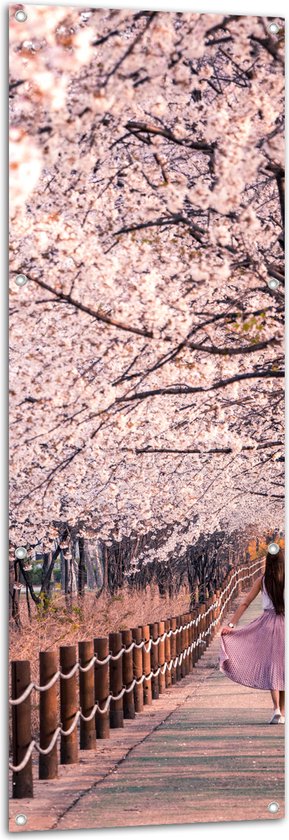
187 389
95 313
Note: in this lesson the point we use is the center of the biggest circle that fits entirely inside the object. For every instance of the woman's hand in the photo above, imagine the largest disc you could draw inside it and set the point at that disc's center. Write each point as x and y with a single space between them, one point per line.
226 630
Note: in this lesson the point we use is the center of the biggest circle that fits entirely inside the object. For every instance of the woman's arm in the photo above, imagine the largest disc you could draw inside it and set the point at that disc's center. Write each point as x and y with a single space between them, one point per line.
243 606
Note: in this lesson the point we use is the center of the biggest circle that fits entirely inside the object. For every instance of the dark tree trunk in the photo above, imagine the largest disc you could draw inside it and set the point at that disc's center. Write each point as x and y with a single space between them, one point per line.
81 567
14 594
66 570
11 587
47 570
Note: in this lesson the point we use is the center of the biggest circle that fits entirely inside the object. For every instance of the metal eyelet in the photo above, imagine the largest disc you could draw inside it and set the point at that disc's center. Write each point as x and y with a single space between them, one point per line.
21 819
273 28
20 16
20 552
273 807
21 279
273 548
273 283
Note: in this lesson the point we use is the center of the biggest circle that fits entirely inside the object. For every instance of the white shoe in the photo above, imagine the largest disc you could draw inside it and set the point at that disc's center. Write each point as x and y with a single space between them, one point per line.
281 719
276 717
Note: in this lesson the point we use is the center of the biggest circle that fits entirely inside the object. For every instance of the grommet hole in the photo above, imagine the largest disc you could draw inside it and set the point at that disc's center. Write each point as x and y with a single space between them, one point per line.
273 283
273 28
21 280
20 552
273 548
21 819
273 807
20 16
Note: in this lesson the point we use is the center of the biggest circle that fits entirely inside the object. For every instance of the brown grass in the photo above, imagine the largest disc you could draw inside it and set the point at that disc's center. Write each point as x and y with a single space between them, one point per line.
87 618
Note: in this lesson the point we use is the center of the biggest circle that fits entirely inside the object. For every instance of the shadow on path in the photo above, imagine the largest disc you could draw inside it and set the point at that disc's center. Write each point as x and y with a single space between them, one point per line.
203 752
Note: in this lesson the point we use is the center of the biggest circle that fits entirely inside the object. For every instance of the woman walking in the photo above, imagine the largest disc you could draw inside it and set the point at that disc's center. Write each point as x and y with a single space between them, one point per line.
254 655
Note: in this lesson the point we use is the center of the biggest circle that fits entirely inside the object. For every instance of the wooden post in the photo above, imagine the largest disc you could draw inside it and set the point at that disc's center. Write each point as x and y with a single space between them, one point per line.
68 705
202 627
231 583
193 615
190 639
194 637
213 615
186 644
147 684
101 687
154 633
173 623
188 631
128 698
21 729
218 608
48 666
179 648
228 594
86 696
197 633
207 621
239 581
224 584
183 645
138 669
115 681
187 659
161 657
168 655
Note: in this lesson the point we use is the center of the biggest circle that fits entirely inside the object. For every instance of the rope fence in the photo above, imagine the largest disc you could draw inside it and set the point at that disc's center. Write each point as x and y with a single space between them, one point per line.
113 678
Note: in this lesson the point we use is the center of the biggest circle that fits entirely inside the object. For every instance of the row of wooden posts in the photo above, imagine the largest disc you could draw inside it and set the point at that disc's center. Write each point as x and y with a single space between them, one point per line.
84 689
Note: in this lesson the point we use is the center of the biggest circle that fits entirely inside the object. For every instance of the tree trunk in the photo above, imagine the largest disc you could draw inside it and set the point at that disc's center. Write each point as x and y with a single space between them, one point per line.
72 566
81 566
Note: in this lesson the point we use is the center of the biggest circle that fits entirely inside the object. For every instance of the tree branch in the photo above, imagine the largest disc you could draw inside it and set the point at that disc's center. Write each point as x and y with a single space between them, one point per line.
137 128
232 351
130 49
177 219
279 173
225 450
188 389
95 313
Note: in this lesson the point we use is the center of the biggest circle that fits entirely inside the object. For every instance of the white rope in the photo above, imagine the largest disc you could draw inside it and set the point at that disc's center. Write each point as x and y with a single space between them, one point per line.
146 645
79 714
136 681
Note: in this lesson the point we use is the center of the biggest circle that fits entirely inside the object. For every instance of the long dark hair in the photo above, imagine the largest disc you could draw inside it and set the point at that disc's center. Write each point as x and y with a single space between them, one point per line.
274 579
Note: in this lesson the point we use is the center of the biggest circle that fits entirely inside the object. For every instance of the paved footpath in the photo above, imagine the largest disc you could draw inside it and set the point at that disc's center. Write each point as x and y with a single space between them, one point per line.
203 752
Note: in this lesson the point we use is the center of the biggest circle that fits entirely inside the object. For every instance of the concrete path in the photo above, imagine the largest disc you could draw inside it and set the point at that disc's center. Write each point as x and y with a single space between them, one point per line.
203 752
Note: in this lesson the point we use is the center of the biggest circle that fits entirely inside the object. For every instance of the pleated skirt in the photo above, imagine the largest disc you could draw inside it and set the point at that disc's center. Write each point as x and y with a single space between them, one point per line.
254 655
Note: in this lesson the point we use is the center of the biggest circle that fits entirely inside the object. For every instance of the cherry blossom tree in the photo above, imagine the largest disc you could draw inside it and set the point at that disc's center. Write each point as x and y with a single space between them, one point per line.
147 212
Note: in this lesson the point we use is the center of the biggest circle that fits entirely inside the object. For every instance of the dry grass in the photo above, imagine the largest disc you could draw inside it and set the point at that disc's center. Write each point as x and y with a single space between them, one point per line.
66 624
86 619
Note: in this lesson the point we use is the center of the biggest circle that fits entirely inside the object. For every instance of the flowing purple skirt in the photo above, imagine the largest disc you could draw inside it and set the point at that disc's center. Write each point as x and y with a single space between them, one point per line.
254 655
